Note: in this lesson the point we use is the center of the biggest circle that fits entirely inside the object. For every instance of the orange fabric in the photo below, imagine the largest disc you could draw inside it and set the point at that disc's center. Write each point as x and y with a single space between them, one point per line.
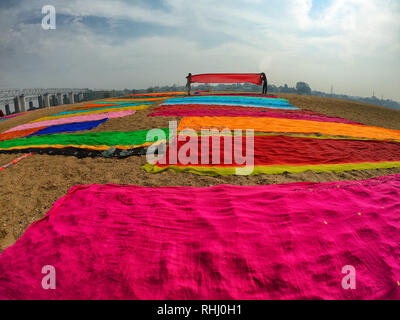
288 125
19 133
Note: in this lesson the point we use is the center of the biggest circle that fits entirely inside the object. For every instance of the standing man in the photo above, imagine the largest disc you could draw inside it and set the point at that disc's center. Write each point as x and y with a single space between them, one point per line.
265 83
189 83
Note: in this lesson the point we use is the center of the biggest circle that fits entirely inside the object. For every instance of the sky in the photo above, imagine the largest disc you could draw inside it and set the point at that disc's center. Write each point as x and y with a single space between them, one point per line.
352 45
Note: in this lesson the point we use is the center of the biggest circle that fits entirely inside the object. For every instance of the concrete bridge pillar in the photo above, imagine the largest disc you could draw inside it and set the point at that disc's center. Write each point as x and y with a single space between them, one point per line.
22 103
40 101
16 105
71 98
60 99
46 100
7 109
53 100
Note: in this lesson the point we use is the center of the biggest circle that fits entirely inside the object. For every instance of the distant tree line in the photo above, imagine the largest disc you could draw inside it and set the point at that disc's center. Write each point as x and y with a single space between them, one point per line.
301 88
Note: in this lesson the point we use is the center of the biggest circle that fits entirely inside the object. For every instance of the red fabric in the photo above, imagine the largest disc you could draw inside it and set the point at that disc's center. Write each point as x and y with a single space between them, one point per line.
279 150
254 78
214 111
228 107
225 242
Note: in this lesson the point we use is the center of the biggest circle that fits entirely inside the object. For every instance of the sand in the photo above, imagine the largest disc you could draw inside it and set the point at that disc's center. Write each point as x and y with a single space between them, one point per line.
30 187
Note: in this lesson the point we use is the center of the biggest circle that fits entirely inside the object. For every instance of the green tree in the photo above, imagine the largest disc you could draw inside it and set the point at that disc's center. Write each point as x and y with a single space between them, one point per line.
303 88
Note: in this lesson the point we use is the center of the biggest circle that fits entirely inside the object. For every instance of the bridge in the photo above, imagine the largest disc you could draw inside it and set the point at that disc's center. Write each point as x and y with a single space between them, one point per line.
45 97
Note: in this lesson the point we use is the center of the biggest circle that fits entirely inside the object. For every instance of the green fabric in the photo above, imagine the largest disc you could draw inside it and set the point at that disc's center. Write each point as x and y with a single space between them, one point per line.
279 169
111 138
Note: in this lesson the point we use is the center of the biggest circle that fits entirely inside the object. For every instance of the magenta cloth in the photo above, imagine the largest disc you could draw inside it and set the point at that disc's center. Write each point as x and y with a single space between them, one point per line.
213 112
84 118
240 94
287 241
254 78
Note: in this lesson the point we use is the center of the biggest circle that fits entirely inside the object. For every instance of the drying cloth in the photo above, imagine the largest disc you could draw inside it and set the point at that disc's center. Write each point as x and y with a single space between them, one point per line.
288 125
93 106
213 111
157 94
238 104
19 133
70 127
14 161
83 113
239 94
220 98
90 117
254 78
148 97
96 141
80 153
141 106
12 116
234 101
290 241
121 100
277 154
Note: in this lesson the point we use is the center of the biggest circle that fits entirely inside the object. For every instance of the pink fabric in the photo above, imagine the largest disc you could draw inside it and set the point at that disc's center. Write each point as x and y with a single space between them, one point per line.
210 112
89 117
224 242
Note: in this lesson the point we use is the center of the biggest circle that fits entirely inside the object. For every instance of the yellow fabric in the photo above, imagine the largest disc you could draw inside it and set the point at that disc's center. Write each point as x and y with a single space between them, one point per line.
57 146
111 109
274 169
288 125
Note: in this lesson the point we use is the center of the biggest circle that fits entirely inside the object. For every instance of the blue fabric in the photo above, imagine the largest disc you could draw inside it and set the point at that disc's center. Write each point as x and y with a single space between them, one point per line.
234 101
70 127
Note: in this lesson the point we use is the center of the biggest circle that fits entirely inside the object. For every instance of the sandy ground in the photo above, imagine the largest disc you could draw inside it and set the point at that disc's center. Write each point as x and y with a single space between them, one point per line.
30 187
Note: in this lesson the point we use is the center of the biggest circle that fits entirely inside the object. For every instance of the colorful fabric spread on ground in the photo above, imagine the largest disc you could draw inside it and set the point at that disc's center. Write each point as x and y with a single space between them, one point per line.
254 78
94 141
19 133
70 127
288 241
231 111
140 106
270 103
84 118
289 126
12 116
101 111
276 154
